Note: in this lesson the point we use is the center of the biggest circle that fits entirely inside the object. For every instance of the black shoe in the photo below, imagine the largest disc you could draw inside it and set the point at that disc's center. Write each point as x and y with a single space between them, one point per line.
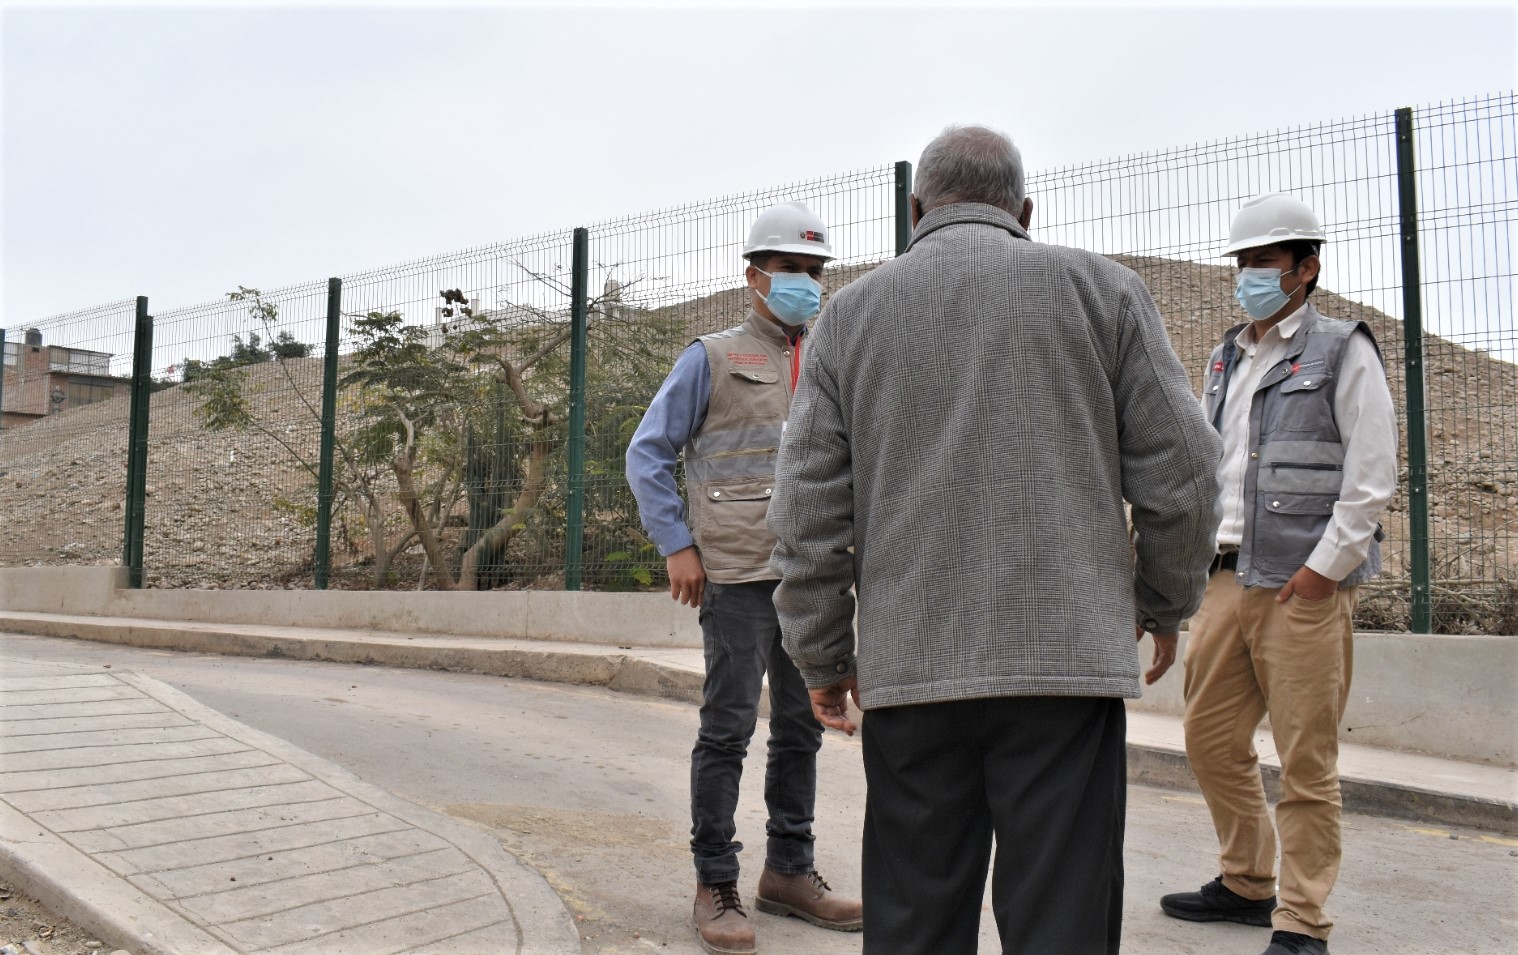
1215 902
1294 943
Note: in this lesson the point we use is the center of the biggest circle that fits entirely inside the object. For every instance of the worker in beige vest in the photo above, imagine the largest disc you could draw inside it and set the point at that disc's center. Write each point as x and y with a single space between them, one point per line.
724 408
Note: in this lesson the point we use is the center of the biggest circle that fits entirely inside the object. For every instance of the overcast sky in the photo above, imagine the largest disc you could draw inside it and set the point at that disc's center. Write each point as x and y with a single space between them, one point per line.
179 151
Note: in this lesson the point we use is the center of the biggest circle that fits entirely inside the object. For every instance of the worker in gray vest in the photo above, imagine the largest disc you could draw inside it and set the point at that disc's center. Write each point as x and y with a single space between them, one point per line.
1309 464
724 407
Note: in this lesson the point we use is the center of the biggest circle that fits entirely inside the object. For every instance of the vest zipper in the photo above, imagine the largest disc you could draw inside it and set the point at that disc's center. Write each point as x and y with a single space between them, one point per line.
733 454
1305 467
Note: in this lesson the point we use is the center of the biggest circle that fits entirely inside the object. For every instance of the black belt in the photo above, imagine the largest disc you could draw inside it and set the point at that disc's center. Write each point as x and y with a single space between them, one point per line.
1226 561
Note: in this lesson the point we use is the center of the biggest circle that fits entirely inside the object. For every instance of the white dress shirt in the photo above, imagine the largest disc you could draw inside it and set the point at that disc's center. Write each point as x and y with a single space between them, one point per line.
1367 425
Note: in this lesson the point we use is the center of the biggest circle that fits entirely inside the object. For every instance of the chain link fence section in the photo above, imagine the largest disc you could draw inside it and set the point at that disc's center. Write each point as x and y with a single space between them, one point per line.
1467 179
657 282
451 430
65 403
233 441
1166 215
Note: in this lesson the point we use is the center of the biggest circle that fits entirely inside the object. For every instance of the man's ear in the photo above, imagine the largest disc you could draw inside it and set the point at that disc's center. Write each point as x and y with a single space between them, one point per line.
1309 269
914 209
1026 218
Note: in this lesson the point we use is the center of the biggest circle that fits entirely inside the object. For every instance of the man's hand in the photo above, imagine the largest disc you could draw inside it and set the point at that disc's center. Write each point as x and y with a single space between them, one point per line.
1309 585
830 704
1164 654
687 578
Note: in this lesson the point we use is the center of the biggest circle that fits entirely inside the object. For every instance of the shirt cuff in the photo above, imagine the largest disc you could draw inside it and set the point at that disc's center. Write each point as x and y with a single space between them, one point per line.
673 540
1332 562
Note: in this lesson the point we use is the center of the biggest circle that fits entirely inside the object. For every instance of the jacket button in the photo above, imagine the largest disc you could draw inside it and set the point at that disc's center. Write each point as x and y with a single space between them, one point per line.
842 668
1214 387
1275 503
768 491
1240 575
1254 455
1307 382
716 494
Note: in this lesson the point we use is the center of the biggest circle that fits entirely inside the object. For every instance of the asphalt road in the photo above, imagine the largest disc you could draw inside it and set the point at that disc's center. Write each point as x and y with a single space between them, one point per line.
591 787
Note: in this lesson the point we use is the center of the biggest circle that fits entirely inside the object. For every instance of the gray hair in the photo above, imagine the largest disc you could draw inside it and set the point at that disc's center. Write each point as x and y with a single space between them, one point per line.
971 164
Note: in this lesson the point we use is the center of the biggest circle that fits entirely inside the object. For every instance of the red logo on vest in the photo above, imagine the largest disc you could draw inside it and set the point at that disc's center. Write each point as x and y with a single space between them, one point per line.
1217 366
748 358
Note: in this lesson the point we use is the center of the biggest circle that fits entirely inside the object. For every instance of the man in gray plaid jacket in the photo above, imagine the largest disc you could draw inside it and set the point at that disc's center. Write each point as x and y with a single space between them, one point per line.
970 419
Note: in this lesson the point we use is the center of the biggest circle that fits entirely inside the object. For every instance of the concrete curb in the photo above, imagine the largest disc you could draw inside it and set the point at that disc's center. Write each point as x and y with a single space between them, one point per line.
1148 763
588 667
1168 768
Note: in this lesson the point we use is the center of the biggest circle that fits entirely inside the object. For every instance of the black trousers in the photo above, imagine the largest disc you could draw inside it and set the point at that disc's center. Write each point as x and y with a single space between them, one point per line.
1047 776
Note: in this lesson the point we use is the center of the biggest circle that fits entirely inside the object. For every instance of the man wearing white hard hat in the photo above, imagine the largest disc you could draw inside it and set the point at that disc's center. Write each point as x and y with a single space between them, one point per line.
724 408
1309 464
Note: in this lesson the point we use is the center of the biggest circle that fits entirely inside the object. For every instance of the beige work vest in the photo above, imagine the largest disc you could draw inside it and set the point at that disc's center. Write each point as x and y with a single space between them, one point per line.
730 461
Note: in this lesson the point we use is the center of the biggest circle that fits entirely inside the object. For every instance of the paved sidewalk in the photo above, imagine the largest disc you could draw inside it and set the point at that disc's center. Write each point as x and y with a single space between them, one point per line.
124 802
165 827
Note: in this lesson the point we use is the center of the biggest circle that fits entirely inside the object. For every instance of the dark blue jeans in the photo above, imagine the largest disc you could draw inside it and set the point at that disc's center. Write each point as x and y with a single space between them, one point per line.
742 641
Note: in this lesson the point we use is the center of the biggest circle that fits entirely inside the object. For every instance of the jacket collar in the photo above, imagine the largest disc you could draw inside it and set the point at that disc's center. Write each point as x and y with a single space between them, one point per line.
756 324
959 213
1296 325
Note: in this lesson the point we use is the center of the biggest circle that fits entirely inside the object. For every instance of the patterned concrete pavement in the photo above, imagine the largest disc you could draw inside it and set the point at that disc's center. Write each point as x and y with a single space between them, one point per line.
164 826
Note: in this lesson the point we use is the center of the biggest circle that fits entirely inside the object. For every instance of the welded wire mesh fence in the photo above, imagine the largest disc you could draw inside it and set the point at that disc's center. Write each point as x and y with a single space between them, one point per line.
65 386
452 444
1467 179
669 277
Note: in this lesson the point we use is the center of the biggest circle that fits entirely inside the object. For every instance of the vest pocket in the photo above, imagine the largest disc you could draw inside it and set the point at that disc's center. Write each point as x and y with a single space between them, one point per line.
1292 524
754 394
764 375
1288 479
1279 503
732 533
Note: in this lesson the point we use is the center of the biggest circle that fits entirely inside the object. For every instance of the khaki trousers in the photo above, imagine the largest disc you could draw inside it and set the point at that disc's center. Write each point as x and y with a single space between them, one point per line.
1247 656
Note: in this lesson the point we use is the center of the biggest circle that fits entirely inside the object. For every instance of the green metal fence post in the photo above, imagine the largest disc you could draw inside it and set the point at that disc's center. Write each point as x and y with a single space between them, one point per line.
329 429
574 544
1412 334
137 444
2 376
903 205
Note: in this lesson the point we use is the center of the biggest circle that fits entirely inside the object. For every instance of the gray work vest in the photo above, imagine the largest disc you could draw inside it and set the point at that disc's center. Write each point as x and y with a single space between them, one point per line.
1296 455
730 460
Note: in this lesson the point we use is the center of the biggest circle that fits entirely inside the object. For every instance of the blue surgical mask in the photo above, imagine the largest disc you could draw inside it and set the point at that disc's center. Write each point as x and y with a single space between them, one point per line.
794 298
1259 291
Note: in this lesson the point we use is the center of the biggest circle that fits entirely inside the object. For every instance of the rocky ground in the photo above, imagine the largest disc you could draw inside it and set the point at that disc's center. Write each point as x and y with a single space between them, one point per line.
26 928
233 508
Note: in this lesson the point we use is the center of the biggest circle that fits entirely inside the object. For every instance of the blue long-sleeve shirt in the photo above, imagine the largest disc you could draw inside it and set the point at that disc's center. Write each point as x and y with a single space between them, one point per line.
675 414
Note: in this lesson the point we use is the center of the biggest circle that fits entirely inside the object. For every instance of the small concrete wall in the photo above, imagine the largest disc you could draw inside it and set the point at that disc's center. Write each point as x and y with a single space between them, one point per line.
84 590
650 620
1447 696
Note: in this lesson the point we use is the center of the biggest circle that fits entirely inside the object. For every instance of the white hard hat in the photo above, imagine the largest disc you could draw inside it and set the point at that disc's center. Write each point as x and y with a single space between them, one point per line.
1271 218
789 227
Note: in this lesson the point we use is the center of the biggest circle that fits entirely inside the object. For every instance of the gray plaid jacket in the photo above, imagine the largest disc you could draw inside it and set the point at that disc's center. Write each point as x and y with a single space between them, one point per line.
970 418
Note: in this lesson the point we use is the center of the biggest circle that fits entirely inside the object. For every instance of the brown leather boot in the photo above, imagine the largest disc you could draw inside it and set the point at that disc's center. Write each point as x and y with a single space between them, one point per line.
720 921
810 898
